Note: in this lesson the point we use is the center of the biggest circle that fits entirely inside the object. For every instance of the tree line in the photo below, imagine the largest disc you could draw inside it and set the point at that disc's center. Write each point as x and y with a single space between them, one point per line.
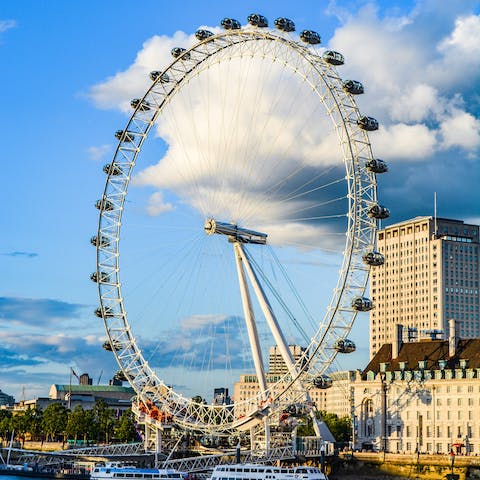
101 424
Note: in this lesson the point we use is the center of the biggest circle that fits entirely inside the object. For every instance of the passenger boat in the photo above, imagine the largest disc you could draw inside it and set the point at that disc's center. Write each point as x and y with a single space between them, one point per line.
114 470
246 471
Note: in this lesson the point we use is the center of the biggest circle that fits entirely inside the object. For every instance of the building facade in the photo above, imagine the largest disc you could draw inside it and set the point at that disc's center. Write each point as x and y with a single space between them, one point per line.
421 396
333 400
6 400
430 275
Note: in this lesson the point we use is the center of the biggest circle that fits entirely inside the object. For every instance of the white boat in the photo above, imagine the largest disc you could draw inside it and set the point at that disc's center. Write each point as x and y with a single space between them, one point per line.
117 470
244 471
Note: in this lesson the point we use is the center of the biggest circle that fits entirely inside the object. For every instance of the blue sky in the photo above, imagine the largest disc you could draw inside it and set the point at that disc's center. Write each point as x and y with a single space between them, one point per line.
69 67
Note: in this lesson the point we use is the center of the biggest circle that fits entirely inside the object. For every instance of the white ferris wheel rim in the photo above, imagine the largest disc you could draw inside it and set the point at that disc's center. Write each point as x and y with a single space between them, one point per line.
360 234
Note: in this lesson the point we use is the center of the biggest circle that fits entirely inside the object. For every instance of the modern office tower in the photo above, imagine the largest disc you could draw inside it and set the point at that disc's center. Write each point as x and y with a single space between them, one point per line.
220 396
430 275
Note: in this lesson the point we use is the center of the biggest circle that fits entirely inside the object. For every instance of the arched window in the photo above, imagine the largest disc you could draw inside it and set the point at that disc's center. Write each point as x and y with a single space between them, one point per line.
368 416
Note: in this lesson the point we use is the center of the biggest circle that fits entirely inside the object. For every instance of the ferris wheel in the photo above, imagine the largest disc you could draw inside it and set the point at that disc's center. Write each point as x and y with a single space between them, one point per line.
259 170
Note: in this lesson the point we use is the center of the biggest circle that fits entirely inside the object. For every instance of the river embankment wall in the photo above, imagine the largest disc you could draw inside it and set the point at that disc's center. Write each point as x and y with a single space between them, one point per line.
368 465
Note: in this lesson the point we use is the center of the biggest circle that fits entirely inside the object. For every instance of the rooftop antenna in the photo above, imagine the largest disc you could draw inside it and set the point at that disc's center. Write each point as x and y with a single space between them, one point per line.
435 213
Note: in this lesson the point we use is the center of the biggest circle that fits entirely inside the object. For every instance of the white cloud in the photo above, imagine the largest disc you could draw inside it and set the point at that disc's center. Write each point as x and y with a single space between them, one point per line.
98 152
461 129
156 205
401 141
415 104
196 322
118 90
465 38
7 25
262 138
409 77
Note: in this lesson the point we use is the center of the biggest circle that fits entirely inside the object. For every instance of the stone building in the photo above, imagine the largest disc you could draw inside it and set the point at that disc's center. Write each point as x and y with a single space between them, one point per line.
421 396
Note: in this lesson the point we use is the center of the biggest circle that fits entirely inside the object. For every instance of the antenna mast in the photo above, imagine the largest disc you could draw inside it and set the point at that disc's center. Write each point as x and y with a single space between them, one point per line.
435 213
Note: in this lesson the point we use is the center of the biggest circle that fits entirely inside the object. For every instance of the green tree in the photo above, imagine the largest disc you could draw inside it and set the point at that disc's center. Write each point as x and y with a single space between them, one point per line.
33 422
5 424
341 427
104 419
126 430
19 424
54 421
80 424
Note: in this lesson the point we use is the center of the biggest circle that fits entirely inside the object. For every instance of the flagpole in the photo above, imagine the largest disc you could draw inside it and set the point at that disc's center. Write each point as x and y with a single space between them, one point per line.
70 390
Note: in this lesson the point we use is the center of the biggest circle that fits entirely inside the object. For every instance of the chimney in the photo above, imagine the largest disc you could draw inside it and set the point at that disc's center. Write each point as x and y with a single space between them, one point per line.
397 340
452 338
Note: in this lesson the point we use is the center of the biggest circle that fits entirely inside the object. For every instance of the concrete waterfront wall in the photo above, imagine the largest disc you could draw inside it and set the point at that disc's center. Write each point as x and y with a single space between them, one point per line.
421 467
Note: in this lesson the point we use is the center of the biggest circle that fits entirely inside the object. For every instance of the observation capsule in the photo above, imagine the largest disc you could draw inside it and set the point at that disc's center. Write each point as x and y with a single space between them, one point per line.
373 258
353 86
284 24
109 347
164 78
257 20
296 409
180 52
323 382
107 312
142 105
367 123
124 136
334 58
309 36
102 242
112 169
120 376
104 204
362 304
344 345
203 34
230 24
378 211
104 277
375 165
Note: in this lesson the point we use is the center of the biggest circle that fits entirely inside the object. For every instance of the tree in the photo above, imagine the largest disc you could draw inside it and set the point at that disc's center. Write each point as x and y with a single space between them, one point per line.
80 424
5 424
104 419
20 425
341 427
54 421
126 430
33 422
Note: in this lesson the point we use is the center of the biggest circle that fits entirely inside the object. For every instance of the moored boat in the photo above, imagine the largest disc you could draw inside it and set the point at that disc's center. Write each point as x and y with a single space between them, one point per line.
263 472
117 470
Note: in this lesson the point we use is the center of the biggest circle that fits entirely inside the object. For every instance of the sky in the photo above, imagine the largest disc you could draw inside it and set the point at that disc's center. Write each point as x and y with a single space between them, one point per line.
68 72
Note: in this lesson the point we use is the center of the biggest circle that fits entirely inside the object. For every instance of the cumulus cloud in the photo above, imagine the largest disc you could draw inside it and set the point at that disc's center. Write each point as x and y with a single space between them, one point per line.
37 312
419 69
98 152
156 205
40 359
460 129
401 141
190 345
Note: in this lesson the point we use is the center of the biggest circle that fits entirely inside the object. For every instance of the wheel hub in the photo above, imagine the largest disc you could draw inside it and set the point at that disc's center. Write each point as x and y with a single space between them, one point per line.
234 232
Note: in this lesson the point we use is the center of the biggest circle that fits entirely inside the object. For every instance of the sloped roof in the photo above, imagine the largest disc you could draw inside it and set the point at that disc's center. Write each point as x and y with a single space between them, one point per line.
93 388
430 351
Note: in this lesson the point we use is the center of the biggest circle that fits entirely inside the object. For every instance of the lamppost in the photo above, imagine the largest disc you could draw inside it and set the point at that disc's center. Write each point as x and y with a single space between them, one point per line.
383 379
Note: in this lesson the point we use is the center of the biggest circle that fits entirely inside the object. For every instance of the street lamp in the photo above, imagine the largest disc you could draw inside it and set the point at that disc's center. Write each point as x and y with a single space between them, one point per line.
383 379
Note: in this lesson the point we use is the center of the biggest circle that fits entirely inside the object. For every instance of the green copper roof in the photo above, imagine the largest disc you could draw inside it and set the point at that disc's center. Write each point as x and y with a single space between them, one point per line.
94 388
